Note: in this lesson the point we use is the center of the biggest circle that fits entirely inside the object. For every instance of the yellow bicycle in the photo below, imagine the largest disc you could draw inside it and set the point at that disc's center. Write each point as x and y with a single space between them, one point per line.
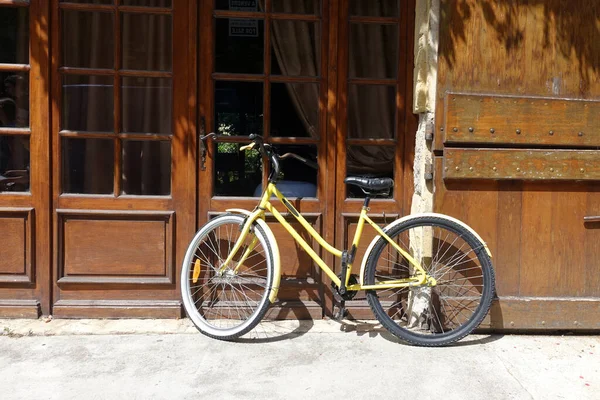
428 278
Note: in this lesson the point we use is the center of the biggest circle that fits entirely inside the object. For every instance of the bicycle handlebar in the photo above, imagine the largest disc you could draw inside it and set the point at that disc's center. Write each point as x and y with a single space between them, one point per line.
267 151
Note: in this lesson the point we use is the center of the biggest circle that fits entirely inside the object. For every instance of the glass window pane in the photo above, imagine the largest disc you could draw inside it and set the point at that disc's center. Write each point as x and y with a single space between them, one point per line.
296 49
14 163
295 110
297 6
296 178
88 103
370 161
146 168
146 42
240 5
239 108
239 46
236 173
371 112
14 35
88 166
373 51
14 99
87 39
147 3
147 105
370 8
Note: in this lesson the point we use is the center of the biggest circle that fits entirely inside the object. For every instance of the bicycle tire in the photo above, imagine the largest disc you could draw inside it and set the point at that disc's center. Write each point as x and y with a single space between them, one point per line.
427 324
228 291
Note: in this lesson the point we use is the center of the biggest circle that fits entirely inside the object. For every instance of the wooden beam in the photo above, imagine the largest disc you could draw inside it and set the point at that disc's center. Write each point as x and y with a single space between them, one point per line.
500 164
523 121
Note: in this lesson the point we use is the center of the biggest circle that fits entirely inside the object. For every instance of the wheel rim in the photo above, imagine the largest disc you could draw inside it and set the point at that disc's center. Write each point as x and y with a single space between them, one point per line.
226 301
451 258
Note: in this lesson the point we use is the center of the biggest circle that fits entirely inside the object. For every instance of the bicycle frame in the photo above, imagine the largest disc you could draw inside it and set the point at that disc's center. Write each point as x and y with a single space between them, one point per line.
265 205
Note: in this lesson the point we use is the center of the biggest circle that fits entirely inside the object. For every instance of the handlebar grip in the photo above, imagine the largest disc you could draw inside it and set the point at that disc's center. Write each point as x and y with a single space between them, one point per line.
247 147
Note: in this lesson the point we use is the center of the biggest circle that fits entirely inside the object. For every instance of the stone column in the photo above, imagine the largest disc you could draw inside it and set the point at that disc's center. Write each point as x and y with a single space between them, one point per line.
425 81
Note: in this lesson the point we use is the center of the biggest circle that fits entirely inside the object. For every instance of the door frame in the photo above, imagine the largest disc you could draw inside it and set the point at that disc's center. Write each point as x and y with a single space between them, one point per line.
27 294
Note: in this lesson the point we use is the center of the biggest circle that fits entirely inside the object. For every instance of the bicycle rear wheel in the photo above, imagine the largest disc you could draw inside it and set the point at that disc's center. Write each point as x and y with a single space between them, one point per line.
431 315
225 303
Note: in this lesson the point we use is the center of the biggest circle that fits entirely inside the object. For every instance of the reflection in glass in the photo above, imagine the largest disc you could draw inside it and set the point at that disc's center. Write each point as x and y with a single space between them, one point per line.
371 112
87 166
295 110
240 5
14 35
147 105
238 107
239 46
370 8
297 179
87 103
371 161
146 167
14 99
297 6
147 3
236 173
87 39
296 49
14 163
373 51
146 42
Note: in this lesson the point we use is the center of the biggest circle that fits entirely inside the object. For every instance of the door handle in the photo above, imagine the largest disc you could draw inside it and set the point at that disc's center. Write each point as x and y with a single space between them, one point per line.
202 143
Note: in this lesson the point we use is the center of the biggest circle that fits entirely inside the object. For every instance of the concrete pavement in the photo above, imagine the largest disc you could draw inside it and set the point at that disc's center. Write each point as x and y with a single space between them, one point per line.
159 359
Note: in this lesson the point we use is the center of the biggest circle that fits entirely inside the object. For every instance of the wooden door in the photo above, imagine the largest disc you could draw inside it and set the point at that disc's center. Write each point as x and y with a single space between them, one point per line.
517 152
24 159
295 72
376 128
263 69
123 184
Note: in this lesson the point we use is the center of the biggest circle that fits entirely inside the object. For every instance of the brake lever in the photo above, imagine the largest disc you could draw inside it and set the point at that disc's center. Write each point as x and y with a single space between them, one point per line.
303 160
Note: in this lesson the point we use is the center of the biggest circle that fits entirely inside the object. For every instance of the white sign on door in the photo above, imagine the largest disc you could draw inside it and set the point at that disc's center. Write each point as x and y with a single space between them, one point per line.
243 27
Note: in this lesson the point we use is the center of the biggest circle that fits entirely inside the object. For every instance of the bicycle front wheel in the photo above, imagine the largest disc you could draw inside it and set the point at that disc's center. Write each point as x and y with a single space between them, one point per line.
227 301
438 314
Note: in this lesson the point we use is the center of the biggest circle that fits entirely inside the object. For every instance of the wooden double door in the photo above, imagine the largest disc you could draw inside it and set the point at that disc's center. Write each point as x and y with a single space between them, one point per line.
118 93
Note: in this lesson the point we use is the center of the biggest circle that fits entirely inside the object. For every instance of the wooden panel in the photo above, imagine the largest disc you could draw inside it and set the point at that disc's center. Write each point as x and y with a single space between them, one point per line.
19 308
16 248
507 259
13 245
295 262
524 48
358 308
592 245
554 165
351 222
473 202
553 241
538 48
301 294
540 244
117 309
115 247
543 314
521 121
